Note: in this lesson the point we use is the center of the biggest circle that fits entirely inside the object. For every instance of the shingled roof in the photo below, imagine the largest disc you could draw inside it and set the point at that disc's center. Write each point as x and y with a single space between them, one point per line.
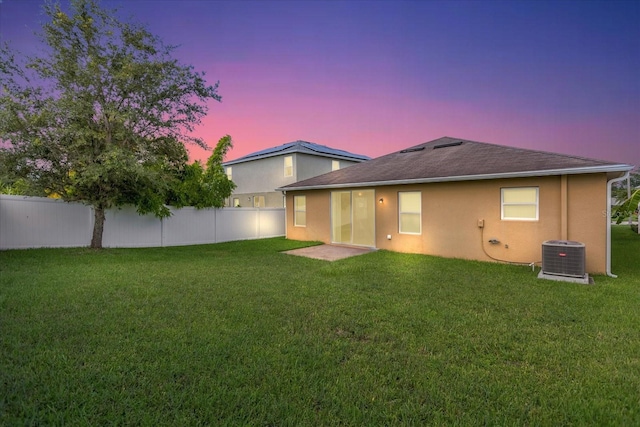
455 159
300 147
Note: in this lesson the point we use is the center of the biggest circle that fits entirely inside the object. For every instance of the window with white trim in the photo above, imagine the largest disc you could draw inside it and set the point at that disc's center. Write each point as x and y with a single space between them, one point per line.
335 165
236 202
288 166
229 173
300 211
519 203
410 212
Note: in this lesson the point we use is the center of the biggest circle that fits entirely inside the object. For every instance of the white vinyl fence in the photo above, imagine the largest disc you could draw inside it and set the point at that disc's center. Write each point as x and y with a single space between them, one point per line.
35 222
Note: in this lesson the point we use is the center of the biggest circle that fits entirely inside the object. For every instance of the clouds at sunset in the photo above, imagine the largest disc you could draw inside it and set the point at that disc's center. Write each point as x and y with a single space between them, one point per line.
376 77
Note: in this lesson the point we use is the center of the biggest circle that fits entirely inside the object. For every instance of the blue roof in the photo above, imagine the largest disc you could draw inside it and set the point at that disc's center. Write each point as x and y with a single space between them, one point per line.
301 147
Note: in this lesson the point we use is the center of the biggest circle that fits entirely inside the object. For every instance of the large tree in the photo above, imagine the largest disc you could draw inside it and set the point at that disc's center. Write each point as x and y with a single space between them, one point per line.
102 114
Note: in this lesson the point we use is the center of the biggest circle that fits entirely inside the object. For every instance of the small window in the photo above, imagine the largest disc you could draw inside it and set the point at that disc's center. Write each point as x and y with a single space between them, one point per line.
236 202
410 215
258 201
229 173
520 203
335 165
300 211
288 166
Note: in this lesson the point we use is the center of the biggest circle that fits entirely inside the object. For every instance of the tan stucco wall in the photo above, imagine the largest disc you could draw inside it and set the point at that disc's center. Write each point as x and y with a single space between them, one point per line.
450 214
318 217
588 217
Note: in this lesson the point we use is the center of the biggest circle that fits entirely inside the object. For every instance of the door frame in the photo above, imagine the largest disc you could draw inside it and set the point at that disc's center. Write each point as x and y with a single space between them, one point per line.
373 212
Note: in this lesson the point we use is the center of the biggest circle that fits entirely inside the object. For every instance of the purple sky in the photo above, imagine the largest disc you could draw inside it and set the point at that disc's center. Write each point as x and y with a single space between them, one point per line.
376 77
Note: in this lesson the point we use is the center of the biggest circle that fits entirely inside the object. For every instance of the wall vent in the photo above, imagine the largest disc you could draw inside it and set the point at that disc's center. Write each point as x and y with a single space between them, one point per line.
563 258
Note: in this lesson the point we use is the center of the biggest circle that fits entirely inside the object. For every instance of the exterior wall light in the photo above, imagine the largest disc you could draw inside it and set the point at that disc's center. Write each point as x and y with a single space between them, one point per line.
381 200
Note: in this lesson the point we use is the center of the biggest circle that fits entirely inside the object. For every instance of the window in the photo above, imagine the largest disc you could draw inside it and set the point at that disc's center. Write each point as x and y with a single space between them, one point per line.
300 211
410 216
258 201
229 173
288 166
520 203
335 165
236 202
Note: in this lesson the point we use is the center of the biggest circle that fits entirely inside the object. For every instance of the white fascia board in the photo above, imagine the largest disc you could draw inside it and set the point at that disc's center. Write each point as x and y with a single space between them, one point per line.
252 159
286 152
335 156
525 174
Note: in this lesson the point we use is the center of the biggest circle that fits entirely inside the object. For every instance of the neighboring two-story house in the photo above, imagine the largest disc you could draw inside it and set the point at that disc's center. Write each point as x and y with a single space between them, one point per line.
258 174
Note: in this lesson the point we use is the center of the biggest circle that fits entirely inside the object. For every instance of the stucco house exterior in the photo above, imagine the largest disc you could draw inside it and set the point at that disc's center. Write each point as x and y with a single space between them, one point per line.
462 199
257 175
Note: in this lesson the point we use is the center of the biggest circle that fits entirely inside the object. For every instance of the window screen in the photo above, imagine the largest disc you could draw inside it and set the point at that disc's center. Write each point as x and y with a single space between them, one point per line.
520 203
288 166
300 211
410 215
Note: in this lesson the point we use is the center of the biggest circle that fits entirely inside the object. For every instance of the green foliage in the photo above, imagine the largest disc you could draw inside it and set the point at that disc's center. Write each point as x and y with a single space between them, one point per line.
204 188
627 208
19 187
102 115
241 334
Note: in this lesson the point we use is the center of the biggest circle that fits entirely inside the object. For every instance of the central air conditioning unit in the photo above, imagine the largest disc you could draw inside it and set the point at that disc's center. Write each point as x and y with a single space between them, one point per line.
563 258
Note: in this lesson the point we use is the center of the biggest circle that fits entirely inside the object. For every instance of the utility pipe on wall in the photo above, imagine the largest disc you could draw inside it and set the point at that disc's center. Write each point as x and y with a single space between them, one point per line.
284 194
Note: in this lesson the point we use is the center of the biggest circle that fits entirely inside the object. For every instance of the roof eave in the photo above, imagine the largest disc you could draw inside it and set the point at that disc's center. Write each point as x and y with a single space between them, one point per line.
288 151
523 174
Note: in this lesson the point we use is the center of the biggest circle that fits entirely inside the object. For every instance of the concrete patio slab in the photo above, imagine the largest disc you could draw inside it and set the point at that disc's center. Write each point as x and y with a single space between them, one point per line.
329 252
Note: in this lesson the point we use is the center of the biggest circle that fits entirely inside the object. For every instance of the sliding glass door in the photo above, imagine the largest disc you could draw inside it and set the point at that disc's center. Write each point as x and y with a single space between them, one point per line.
353 217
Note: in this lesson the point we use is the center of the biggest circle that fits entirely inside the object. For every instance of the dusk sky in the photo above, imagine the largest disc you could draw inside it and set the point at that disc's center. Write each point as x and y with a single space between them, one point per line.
373 77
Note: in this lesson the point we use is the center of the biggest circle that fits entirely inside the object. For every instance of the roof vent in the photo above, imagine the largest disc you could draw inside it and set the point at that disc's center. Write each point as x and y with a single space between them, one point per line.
449 144
411 150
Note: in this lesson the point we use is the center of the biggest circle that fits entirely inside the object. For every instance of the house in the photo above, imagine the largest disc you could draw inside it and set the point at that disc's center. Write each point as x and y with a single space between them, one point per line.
258 174
463 199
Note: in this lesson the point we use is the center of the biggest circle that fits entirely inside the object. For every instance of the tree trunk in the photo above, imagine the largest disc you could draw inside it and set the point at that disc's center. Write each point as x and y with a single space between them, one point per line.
98 228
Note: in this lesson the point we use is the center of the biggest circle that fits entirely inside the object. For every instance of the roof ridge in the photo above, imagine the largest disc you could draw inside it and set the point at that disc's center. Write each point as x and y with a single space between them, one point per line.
300 146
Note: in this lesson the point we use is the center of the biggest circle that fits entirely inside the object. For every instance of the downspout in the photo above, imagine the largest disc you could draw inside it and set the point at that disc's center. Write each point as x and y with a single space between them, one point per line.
284 193
608 249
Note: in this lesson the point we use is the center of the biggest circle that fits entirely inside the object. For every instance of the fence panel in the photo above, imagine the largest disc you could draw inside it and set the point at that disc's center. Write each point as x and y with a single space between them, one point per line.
189 226
271 223
236 224
124 228
30 222
35 222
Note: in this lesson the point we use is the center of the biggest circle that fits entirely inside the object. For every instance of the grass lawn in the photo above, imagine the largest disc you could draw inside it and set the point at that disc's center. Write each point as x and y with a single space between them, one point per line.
240 334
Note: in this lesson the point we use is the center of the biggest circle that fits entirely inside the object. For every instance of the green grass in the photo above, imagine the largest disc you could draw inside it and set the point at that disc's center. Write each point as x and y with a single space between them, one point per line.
240 334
